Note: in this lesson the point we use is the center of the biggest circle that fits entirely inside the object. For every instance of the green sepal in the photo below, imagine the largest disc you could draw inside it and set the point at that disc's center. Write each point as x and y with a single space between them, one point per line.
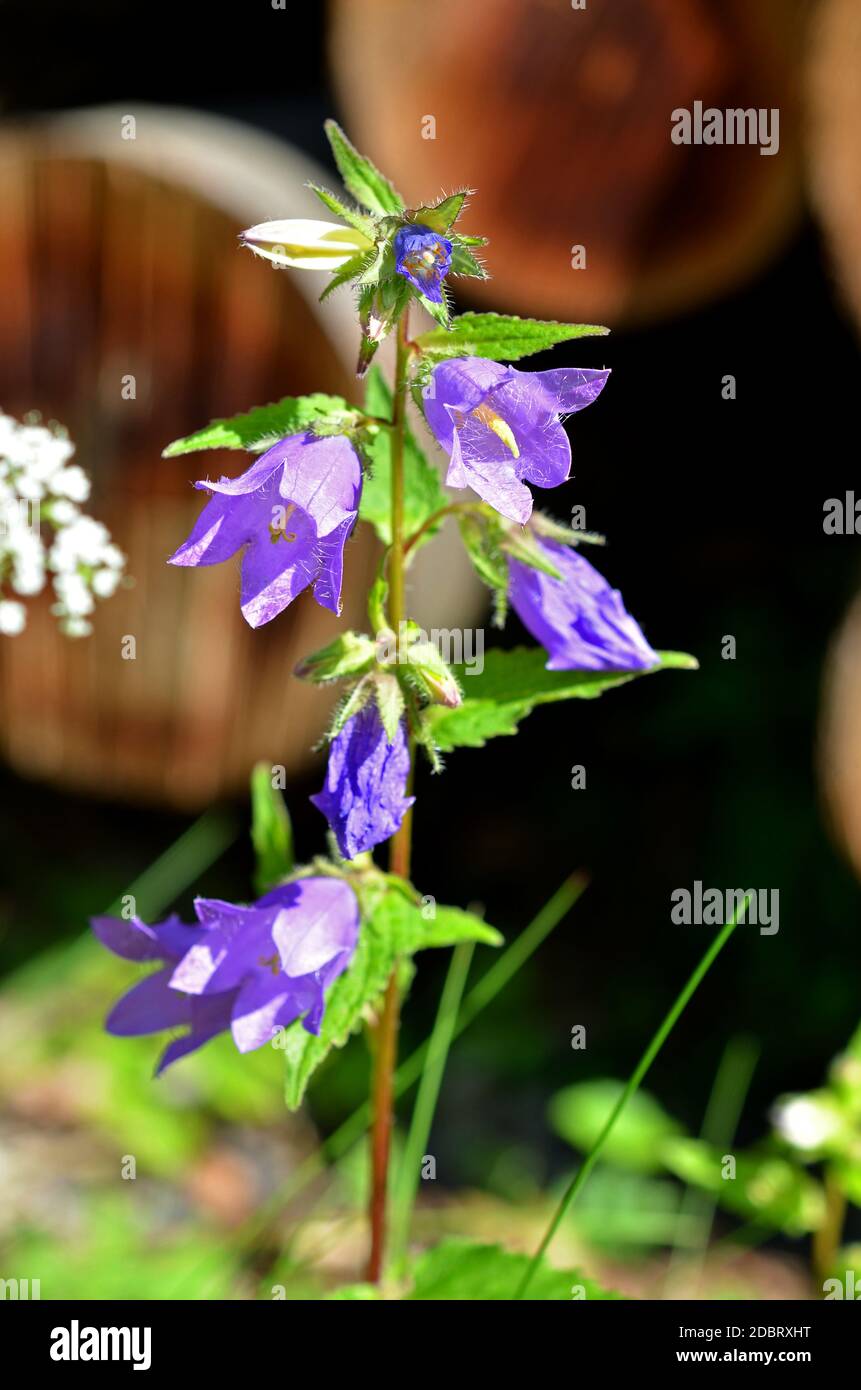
359 221
353 269
439 217
353 701
350 654
390 702
463 262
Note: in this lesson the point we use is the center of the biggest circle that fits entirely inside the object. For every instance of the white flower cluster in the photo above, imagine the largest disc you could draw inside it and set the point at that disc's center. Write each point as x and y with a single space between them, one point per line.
43 531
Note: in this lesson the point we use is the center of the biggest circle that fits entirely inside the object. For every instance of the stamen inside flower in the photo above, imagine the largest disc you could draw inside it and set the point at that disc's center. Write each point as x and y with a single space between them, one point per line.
272 962
500 427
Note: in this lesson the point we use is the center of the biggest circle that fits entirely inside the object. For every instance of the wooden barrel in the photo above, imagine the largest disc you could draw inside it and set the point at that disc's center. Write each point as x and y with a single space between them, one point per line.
560 117
834 138
839 742
118 258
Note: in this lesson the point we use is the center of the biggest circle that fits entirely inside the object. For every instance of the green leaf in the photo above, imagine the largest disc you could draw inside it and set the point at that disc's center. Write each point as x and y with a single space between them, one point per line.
423 491
393 928
259 428
362 224
578 1114
513 683
465 1270
367 185
363 1293
450 925
501 336
271 831
766 1188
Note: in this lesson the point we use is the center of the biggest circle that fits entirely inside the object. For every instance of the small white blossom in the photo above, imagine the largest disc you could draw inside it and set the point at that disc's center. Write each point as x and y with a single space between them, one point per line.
42 530
13 618
805 1122
72 483
105 582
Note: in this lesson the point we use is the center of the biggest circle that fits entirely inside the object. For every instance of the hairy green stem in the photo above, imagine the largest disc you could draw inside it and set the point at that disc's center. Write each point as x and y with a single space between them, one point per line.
382 1085
451 509
634 1082
826 1240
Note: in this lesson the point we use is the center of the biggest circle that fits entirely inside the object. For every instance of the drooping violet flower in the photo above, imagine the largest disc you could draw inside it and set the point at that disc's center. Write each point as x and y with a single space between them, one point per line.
363 796
293 509
580 620
500 426
247 969
423 257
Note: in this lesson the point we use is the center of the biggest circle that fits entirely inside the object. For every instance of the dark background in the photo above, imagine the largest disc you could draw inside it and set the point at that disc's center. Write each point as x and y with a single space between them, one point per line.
714 514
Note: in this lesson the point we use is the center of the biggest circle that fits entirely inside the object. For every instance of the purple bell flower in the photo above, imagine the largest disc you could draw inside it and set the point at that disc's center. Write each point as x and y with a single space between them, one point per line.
293 510
580 620
500 426
363 795
251 970
423 257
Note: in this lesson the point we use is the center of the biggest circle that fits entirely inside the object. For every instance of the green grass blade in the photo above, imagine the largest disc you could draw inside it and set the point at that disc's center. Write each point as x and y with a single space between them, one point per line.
439 1043
634 1082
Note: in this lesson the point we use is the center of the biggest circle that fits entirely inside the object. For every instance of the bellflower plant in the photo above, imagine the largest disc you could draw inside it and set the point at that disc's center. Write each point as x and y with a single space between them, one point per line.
326 949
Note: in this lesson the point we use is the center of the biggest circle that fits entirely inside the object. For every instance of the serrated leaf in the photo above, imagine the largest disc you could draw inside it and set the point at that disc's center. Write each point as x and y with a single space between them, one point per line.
362 224
271 831
466 1270
513 683
423 490
261 427
502 337
367 185
451 925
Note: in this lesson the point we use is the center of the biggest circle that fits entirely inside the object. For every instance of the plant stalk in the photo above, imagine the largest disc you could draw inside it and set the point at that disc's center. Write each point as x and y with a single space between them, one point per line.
382 1085
826 1240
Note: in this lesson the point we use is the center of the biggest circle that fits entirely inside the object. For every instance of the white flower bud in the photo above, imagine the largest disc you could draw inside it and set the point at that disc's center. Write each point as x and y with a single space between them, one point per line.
304 243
